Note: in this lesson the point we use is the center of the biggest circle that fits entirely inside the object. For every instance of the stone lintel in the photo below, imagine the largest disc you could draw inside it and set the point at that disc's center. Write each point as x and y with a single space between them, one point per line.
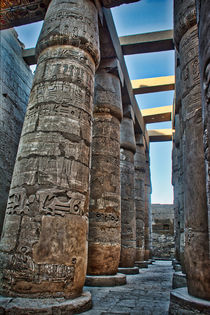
147 43
112 65
9 305
129 270
151 85
157 114
105 280
183 303
29 56
115 3
159 135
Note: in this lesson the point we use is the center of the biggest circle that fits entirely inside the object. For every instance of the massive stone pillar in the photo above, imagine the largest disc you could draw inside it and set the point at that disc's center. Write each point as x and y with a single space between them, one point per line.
15 85
204 50
105 205
148 213
195 203
139 196
44 243
128 212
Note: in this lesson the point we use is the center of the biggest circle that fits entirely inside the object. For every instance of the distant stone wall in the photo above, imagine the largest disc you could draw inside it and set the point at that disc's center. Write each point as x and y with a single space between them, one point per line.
15 84
163 230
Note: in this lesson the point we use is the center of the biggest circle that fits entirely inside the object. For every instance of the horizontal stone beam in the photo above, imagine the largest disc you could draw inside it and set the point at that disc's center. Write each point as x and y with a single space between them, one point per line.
160 135
147 43
114 3
151 85
157 114
16 13
29 56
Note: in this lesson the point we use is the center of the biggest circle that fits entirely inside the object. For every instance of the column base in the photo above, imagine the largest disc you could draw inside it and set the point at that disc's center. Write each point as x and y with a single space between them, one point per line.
181 303
141 264
179 280
105 280
129 270
21 306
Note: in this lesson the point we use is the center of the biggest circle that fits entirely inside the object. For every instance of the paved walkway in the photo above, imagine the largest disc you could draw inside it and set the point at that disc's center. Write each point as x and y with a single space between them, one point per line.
147 293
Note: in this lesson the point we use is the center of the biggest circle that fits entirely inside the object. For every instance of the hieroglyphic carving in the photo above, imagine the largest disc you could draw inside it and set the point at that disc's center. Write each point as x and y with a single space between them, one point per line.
104 217
50 203
128 211
195 212
50 188
19 12
23 268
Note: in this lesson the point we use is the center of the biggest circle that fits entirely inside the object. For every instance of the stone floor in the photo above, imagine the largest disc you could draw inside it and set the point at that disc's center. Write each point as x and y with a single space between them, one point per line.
147 293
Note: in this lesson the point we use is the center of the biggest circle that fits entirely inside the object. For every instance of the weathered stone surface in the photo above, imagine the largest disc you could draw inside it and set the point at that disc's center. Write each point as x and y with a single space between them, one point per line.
128 213
145 293
204 50
105 280
16 12
179 280
181 303
22 306
114 3
105 212
129 271
139 195
44 243
184 18
15 82
196 222
163 230
148 213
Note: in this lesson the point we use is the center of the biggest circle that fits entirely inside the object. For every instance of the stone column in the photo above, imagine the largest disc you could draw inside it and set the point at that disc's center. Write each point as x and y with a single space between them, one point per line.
128 211
139 196
44 243
148 214
105 205
204 49
15 85
195 203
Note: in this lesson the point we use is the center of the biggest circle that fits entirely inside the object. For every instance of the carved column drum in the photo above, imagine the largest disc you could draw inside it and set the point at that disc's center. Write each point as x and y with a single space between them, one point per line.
139 195
148 213
105 211
196 223
44 243
128 212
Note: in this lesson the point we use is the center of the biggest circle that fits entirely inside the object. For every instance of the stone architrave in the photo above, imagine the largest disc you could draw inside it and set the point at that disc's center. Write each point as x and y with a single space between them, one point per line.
148 214
204 49
105 206
195 204
128 212
139 195
43 251
114 3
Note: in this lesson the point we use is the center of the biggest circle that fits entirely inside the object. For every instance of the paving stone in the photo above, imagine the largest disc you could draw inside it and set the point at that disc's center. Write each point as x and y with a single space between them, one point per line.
147 293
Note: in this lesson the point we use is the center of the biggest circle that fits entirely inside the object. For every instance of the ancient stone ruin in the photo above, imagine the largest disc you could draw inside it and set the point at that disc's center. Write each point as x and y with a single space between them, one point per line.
77 209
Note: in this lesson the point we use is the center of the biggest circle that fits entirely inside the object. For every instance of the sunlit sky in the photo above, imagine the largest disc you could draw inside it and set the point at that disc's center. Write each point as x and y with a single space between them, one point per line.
141 17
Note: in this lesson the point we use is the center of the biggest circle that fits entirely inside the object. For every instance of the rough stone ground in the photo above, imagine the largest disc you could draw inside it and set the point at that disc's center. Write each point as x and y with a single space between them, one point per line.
147 293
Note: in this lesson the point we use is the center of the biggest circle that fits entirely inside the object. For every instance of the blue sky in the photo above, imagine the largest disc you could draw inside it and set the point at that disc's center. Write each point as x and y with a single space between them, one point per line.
141 17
